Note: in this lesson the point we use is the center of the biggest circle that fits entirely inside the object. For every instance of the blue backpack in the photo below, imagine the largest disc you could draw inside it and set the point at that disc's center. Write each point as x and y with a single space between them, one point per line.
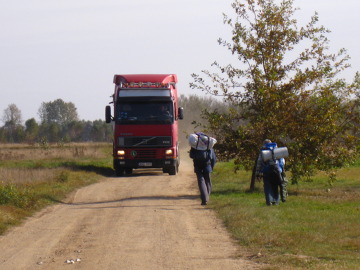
271 167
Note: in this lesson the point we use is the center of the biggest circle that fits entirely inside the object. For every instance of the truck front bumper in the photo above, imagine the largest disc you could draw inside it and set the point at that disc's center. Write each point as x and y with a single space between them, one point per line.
153 163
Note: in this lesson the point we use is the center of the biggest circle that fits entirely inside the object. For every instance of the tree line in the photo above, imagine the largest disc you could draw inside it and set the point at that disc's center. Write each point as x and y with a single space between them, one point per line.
59 122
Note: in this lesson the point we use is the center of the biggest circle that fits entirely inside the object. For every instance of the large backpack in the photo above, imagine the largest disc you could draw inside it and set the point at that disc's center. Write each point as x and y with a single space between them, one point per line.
273 171
271 167
201 141
201 156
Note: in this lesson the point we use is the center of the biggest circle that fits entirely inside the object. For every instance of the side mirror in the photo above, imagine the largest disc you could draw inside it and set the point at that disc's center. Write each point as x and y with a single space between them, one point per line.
108 114
181 113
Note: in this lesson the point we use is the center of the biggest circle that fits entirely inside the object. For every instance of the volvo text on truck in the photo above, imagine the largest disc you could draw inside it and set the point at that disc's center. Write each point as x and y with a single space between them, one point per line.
145 119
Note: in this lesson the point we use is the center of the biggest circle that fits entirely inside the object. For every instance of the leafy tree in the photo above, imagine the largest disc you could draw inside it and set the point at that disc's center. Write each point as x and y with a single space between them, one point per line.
193 107
86 131
285 87
13 128
50 132
73 131
12 115
31 130
58 112
100 131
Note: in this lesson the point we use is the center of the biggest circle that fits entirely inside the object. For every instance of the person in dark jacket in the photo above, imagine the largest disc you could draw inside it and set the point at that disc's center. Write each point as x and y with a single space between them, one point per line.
203 170
204 158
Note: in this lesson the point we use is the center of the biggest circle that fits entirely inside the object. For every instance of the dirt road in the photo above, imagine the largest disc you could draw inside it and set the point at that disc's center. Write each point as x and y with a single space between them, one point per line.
147 221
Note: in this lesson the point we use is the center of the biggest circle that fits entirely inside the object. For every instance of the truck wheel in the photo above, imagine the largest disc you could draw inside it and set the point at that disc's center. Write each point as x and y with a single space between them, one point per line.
172 170
119 172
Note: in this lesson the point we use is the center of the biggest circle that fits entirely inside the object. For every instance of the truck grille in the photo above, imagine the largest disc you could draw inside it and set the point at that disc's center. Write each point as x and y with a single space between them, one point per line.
150 141
145 154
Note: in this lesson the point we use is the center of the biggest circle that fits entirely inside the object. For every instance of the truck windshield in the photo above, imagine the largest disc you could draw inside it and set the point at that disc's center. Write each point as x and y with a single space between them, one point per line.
134 113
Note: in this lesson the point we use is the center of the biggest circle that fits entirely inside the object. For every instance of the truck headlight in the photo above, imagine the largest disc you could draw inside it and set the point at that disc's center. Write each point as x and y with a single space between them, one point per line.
121 152
168 152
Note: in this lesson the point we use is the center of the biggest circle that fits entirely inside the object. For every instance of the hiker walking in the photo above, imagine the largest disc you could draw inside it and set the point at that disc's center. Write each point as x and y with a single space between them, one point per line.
272 169
204 159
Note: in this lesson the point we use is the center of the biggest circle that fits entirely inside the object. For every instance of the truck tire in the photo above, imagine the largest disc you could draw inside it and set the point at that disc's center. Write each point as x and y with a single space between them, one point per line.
172 170
119 172
129 170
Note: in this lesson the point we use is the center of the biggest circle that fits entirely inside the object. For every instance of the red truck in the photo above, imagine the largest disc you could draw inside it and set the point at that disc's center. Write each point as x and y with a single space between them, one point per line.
145 119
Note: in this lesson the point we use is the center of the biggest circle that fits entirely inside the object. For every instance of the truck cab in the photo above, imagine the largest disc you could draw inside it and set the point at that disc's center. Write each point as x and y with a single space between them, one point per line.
145 120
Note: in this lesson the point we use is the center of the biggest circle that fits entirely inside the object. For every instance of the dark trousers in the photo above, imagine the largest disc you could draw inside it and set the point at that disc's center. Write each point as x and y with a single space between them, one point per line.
271 189
204 183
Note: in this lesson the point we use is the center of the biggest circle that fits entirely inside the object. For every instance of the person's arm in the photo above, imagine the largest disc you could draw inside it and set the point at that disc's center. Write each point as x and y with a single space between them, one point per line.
212 158
282 164
191 153
259 165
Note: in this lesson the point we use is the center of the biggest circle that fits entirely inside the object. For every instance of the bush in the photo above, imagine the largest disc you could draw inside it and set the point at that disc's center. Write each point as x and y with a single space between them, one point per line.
12 195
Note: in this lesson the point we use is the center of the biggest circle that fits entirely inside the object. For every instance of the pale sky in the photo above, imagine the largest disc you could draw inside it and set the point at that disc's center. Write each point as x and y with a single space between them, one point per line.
70 49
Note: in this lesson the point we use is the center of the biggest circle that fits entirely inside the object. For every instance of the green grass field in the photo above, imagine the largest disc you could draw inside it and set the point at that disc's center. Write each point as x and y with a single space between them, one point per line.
317 228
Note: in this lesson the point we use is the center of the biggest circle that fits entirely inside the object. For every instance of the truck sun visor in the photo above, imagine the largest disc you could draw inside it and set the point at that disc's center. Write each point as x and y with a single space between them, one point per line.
144 93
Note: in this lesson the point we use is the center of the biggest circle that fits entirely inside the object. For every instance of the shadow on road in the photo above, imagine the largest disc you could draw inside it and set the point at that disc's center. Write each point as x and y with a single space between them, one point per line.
109 172
140 198
101 170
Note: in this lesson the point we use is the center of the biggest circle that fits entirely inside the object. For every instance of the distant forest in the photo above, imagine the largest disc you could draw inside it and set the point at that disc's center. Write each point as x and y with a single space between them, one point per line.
59 123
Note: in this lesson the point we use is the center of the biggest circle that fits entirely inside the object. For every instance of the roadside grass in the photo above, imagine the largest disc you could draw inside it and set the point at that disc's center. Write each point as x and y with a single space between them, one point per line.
32 177
317 228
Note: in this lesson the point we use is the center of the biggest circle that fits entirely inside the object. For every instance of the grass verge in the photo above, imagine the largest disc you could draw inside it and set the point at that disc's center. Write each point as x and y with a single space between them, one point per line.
29 183
317 228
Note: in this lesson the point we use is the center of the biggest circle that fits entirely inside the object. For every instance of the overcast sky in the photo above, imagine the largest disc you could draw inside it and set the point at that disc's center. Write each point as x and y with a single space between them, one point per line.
70 49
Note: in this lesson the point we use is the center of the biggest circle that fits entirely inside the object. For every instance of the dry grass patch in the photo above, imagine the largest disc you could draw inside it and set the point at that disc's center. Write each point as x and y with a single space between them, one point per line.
32 177
39 152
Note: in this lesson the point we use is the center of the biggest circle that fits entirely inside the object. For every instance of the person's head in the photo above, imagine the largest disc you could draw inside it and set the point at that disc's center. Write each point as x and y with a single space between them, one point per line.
266 141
